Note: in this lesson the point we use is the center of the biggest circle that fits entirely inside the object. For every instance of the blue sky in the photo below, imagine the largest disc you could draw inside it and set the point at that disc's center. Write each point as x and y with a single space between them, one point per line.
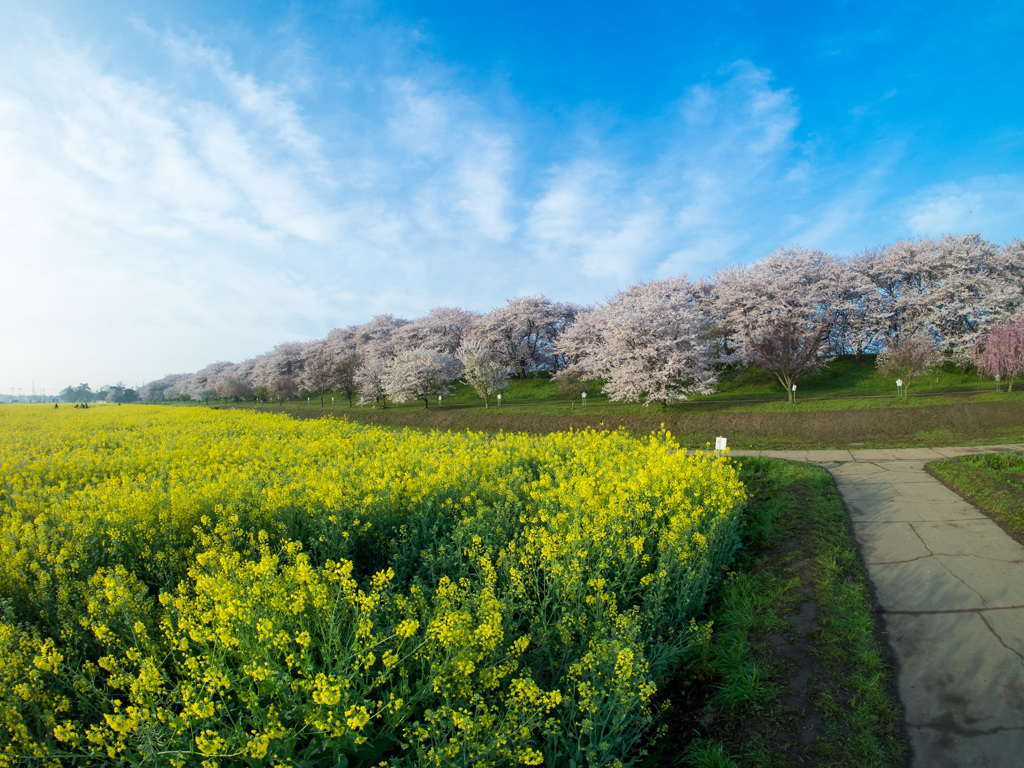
188 182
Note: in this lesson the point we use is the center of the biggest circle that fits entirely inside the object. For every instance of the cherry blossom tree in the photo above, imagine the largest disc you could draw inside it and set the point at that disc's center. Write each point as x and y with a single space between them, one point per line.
443 330
344 350
910 357
953 287
375 345
283 360
524 331
785 349
1001 351
647 343
208 377
780 312
482 371
283 388
419 374
318 370
154 391
230 386
369 381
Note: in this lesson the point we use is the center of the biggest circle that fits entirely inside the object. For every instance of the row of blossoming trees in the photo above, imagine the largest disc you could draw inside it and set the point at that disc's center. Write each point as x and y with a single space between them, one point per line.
958 297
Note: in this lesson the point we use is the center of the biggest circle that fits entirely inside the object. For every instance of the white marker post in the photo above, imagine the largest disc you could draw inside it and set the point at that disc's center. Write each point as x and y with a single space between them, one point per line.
499 399
584 396
899 387
719 444
794 393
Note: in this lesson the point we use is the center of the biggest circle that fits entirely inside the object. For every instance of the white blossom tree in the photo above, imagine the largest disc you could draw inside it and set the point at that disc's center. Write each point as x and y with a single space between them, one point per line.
443 330
953 287
283 360
369 381
283 388
344 350
482 371
229 386
419 374
523 332
781 311
375 346
318 370
647 343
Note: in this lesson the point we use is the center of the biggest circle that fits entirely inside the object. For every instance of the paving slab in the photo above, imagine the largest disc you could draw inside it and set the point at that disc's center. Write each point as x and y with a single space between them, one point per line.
950 585
901 510
821 457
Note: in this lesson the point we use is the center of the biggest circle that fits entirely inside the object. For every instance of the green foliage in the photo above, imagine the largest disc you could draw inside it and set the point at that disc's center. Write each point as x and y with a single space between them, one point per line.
192 587
797 545
994 481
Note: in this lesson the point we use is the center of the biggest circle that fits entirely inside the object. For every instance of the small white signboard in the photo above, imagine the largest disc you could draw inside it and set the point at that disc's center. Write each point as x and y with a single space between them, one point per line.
719 443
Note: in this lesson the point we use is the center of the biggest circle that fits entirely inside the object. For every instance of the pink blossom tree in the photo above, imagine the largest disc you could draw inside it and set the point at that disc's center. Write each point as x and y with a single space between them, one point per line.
229 386
344 351
1001 352
369 381
785 349
908 358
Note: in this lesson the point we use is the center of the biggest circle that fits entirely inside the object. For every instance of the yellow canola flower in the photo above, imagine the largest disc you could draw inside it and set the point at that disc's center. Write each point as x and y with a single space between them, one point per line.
312 577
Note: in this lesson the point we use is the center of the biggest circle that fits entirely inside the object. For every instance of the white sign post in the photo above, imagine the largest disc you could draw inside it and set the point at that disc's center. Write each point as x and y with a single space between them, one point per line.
499 398
794 393
899 387
719 444
584 396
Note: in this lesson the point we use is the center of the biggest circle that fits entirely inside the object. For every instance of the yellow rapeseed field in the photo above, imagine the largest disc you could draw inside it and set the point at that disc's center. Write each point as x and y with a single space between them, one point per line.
180 586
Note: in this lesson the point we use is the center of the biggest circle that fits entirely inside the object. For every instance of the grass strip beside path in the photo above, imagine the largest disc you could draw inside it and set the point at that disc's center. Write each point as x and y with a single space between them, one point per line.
794 672
993 482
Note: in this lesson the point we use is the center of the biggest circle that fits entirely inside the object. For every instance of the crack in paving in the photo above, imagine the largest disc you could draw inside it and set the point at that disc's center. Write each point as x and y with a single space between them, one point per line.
946 724
944 611
1002 642
884 489
900 562
949 570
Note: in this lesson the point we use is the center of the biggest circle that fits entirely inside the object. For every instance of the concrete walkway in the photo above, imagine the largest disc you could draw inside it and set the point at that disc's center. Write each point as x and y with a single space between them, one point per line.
950 585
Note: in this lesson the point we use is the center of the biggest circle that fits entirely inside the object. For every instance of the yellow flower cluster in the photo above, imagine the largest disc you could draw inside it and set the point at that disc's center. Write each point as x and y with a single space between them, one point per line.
190 587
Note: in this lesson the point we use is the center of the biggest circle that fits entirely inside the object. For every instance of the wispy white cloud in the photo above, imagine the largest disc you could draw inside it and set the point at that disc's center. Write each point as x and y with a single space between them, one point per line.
982 204
205 211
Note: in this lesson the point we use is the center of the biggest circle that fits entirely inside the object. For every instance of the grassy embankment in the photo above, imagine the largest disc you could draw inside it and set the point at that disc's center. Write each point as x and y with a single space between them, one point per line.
794 672
994 482
847 403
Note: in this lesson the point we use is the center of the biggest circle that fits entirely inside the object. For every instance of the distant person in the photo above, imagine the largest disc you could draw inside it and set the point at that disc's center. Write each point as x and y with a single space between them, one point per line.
56 405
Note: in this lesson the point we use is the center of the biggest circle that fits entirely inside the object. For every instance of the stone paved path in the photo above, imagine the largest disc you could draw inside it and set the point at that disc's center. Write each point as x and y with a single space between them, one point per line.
950 584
